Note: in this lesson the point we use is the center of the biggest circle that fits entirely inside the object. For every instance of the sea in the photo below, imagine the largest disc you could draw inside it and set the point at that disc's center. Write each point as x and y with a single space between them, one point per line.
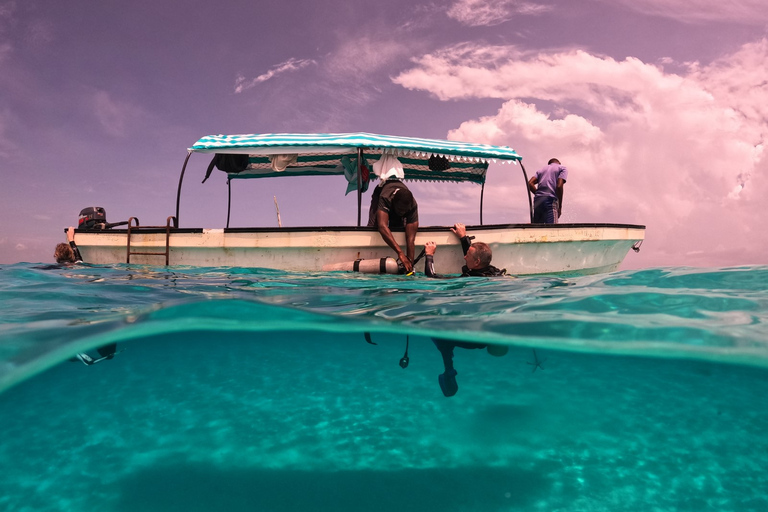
240 389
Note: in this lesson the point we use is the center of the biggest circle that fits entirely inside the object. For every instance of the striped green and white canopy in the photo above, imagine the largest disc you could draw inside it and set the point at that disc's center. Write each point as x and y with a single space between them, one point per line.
328 154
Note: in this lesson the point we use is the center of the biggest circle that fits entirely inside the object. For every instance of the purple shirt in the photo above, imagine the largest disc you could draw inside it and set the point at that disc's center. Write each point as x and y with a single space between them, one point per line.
547 179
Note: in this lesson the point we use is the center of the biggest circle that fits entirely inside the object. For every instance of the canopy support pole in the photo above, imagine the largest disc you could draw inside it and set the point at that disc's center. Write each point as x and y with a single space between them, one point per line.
530 201
482 192
229 198
359 183
178 192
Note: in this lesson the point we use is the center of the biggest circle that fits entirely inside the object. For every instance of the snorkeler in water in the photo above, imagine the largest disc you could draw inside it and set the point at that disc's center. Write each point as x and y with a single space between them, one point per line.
68 253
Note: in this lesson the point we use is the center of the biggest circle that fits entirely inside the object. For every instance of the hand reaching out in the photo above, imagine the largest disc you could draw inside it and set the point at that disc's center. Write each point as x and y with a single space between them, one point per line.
459 230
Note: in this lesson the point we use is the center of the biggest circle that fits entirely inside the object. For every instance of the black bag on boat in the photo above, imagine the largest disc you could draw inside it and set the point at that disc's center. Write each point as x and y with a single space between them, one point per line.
438 163
228 163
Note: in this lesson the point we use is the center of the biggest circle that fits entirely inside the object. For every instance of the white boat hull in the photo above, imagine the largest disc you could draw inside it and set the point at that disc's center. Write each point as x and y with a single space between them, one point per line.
522 249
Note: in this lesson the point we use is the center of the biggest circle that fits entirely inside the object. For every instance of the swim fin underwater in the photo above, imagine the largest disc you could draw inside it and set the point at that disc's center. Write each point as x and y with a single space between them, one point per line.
447 381
106 352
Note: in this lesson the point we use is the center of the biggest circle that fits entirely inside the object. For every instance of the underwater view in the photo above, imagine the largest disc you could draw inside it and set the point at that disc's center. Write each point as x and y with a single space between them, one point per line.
146 389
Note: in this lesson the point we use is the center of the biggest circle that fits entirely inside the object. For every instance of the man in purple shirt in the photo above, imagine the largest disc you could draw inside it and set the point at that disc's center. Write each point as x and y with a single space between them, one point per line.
547 189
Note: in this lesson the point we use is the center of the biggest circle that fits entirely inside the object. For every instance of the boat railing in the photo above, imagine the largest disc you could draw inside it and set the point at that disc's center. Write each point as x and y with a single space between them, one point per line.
134 227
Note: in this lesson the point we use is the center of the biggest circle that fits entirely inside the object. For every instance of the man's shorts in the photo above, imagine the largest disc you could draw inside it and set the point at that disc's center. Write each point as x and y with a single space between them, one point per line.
545 210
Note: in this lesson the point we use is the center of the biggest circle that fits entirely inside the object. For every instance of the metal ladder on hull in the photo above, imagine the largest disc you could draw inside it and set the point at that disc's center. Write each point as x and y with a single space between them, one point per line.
135 228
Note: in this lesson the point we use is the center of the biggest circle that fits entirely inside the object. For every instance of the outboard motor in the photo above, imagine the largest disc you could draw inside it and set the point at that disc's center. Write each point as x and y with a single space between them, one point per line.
95 217
372 266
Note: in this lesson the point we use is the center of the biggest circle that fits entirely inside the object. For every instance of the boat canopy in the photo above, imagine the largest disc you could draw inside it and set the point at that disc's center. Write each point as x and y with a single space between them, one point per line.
295 154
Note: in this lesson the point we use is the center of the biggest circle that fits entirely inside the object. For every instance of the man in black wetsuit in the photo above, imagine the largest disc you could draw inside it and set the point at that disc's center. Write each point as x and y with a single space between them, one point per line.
68 253
477 257
393 206
478 264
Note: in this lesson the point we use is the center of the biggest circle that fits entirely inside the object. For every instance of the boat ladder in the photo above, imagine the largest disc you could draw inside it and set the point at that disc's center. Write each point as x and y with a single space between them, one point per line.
133 229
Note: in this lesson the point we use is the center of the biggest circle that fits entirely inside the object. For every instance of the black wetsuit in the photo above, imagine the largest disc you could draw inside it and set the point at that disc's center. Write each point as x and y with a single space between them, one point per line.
489 271
78 257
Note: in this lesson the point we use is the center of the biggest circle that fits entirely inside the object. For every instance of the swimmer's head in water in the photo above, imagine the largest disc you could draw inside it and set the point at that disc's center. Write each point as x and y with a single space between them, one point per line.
64 254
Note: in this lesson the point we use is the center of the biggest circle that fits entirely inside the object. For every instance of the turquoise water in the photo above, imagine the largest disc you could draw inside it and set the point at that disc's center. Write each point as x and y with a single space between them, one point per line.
255 390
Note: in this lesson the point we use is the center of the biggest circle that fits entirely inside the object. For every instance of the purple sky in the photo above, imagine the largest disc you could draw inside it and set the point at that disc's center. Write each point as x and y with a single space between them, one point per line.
659 108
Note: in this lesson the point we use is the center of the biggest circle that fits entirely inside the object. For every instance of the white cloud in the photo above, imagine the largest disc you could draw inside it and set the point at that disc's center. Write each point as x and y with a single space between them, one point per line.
491 12
115 116
681 153
752 12
292 64
362 57
330 92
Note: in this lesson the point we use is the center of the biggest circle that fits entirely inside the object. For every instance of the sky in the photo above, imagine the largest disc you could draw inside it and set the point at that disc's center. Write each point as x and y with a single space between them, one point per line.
658 108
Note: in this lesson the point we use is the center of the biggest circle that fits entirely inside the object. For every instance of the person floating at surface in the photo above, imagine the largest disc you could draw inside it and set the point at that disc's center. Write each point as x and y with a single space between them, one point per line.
547 189
393 206
477 257
68 253
478 263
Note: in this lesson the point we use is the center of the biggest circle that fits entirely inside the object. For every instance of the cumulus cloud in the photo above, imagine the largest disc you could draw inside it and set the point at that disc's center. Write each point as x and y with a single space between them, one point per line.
292 64
681 153
752 12
477 13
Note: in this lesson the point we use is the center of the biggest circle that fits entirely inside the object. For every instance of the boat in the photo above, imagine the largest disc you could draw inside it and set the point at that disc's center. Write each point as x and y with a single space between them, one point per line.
523 249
